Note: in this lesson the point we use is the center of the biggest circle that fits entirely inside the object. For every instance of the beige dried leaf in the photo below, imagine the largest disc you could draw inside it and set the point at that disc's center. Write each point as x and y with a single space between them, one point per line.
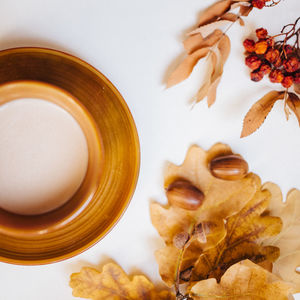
212 62
213 12
244 281
186 67
245 10
114 284
286 110
208 28
259 111
212 92
288 239
297 88
195 42
229 17
293 103
192 43
241 21
224 50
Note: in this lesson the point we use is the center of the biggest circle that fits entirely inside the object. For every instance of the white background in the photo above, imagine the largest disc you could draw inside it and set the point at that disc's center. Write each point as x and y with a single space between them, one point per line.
135 43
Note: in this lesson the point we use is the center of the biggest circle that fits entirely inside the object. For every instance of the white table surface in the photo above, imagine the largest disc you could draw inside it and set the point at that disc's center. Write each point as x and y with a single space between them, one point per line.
134 43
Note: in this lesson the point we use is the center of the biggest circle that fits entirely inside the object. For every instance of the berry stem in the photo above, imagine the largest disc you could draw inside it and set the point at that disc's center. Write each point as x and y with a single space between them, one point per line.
290 31
273 3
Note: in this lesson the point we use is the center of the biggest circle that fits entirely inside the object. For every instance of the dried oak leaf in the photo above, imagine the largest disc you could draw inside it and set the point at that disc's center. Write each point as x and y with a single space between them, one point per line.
244 281
288 238
259 111
173 261
222 199
114 284
244 230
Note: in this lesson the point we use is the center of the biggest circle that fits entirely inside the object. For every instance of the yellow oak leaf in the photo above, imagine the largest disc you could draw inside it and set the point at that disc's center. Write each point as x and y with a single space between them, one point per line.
244 230
170 220
288 239
244 281
114 284
222 198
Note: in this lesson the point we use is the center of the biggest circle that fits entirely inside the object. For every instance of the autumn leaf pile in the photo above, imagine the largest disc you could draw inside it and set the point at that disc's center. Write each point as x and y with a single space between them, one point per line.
233 238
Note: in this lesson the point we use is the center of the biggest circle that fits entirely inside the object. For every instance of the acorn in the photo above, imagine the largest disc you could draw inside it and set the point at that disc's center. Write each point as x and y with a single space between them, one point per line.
182 193
229 167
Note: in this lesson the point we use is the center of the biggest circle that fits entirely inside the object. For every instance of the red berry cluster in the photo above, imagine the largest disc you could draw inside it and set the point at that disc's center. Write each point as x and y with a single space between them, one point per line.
258 3
262 3
264 57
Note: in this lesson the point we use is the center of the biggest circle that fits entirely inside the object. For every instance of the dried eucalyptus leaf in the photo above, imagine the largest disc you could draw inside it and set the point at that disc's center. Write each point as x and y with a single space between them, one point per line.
241 21
186 67
207 29
297 88
212 62
259 111
213 12
229 17
286 110
245 10
193 42
293 103
224 49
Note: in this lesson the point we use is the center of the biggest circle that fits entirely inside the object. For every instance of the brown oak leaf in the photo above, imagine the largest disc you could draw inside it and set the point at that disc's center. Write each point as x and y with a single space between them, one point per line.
244 230
288 239
259 111
114 284
175 262
244 281
170 220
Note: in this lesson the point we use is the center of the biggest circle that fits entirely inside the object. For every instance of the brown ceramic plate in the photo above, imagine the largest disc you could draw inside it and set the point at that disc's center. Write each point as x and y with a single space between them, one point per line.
121 156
